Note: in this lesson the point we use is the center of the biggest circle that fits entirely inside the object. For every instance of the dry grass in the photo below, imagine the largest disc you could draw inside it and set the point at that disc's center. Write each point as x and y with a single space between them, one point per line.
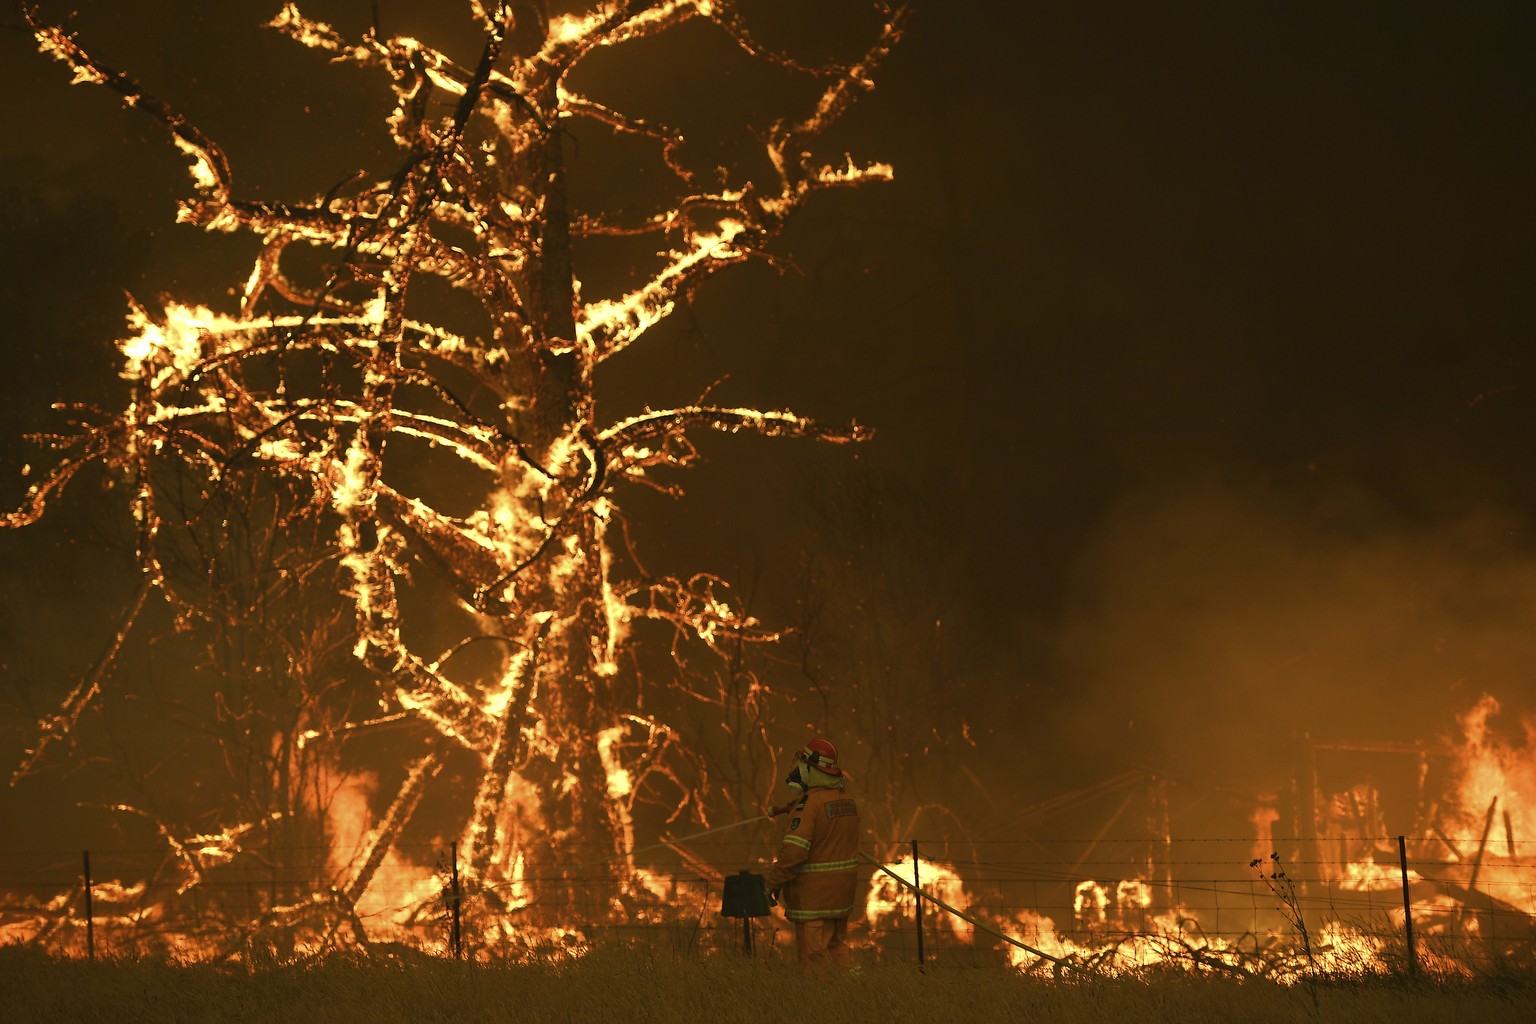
639 985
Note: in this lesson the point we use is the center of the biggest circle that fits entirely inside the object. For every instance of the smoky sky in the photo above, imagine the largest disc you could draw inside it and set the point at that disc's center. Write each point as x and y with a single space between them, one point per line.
1196 339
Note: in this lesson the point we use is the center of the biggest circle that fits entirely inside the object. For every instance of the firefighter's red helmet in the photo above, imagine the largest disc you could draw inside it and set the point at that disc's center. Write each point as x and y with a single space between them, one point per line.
820 753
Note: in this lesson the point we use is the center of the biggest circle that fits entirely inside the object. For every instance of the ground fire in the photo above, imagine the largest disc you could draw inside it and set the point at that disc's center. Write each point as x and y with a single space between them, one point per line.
1332 892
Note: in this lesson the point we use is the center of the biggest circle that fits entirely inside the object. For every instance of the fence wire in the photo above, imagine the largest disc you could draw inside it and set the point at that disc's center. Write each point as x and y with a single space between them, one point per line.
1117 904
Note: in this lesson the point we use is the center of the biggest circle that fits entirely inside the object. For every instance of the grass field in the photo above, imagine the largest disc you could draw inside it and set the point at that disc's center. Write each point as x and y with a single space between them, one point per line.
617 985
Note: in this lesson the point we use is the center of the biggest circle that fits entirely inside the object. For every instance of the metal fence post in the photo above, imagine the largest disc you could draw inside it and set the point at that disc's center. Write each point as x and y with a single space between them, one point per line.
1402 858
455 933
90 912
917 885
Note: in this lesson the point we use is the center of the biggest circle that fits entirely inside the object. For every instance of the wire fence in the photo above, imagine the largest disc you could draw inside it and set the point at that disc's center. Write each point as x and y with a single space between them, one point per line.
1217 903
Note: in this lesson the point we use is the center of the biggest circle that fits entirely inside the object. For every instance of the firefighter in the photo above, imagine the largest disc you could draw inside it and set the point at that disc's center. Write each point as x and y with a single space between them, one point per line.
815 871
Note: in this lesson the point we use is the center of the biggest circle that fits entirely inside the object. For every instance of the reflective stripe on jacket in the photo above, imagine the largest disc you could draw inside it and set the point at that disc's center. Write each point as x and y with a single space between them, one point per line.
817 864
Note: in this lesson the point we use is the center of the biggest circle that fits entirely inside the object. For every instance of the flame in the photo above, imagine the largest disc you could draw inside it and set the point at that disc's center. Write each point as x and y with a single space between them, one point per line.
1366 876
568 28
888 899
347 817
1492 771
171 350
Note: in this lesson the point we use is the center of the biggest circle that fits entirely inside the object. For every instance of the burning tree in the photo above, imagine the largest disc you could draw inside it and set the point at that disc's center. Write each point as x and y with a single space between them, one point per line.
349 438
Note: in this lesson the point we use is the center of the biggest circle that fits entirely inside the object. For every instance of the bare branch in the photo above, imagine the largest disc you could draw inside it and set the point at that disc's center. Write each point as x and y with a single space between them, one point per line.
62 723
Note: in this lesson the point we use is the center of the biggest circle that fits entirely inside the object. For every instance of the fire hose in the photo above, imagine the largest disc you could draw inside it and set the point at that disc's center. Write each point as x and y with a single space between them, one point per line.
665 843
921 893
962 915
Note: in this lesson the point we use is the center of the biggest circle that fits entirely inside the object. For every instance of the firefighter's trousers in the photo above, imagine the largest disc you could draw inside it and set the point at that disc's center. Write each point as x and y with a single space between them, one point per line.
823 941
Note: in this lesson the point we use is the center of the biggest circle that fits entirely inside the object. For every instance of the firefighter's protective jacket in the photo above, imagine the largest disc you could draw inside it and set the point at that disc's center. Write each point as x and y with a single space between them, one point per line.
818 859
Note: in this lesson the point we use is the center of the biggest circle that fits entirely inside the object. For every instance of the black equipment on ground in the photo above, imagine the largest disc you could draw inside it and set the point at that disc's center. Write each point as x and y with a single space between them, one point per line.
746 897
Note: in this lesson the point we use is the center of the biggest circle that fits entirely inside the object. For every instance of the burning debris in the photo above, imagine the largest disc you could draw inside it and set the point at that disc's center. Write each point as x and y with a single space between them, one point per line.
274 459
1470 812
1453 894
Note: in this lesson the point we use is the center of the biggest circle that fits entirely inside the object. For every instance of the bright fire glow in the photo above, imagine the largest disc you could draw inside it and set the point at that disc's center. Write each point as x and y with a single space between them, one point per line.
318 407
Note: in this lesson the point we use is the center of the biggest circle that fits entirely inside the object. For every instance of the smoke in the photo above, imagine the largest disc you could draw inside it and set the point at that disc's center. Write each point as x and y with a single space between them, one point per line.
1212 622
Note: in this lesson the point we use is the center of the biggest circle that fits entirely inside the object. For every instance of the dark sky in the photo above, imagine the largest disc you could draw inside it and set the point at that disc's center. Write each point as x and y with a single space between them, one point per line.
1196 337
